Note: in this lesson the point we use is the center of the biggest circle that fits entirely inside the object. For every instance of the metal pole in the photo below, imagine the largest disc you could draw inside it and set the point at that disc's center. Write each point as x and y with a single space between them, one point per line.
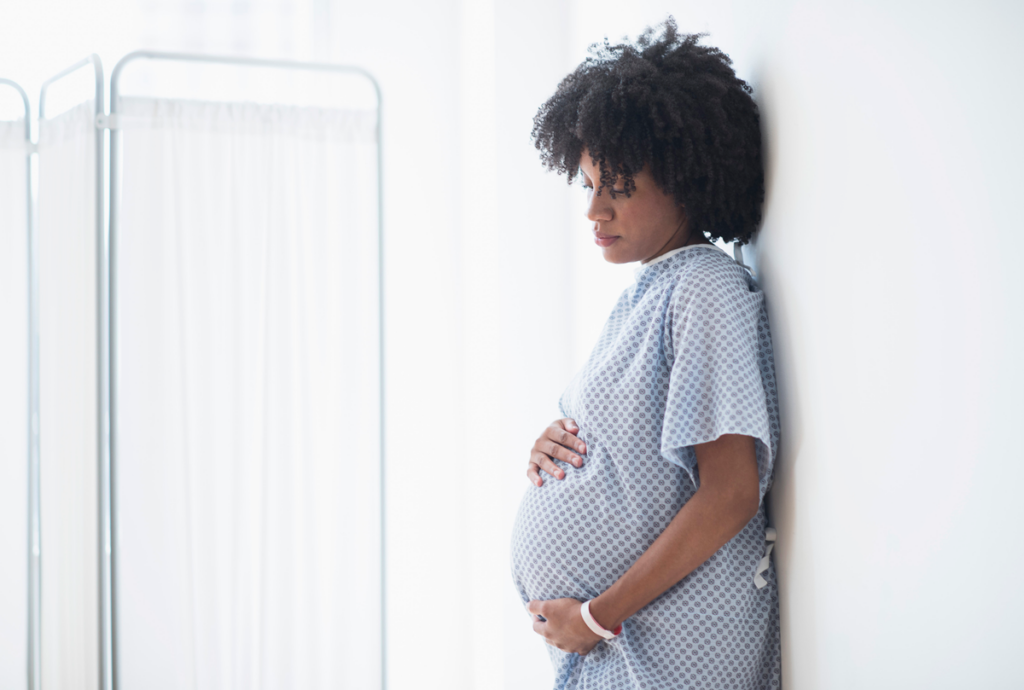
102 378
88 61
114 228
380 322
33 658
115 74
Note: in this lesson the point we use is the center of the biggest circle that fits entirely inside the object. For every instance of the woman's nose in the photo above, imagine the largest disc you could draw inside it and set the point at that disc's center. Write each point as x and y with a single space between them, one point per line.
598 207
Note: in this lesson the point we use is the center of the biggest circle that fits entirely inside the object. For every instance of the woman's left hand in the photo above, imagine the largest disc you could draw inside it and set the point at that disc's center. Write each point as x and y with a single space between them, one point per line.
564 627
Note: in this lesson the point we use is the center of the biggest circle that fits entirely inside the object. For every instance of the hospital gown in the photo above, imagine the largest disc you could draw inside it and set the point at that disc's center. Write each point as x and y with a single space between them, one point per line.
685 357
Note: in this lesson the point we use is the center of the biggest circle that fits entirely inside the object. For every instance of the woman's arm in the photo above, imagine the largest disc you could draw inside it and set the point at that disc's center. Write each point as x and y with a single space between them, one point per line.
728 498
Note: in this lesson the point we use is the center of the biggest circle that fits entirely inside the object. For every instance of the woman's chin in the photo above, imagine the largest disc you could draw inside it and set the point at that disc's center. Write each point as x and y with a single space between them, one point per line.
614 255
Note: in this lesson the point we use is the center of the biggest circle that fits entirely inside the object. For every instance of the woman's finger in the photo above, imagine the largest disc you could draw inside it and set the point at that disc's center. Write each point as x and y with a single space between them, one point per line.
568 424
546 464
533 475
539 461
554 450
564 438
570 441
535 608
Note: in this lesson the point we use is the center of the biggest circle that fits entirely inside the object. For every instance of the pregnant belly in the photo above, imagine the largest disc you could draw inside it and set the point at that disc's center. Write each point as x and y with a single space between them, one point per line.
575 537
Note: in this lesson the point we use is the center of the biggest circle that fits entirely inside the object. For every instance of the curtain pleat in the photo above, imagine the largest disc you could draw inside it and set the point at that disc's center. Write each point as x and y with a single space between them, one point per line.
13 405
68 399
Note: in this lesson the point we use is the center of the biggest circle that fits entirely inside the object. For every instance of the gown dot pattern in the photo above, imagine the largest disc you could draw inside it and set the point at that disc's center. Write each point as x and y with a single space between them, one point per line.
684 358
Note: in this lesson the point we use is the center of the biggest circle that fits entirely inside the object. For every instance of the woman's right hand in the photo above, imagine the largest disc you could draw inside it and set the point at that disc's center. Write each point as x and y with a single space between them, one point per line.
557 442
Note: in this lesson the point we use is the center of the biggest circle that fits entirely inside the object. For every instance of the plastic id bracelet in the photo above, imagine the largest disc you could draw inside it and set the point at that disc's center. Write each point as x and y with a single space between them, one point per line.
595 626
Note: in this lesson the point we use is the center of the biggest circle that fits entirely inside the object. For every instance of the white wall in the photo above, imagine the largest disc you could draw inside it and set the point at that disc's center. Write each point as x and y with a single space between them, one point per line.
888 253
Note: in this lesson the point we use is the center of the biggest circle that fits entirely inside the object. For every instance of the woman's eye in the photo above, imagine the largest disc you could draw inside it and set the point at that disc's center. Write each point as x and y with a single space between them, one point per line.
590 188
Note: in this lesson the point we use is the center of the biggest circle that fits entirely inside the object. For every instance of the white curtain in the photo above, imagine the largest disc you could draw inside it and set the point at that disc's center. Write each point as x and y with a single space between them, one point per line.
13 405
248 398
67 398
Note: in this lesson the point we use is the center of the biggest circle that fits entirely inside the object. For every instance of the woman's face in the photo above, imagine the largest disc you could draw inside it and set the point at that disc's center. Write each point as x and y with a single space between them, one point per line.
639 228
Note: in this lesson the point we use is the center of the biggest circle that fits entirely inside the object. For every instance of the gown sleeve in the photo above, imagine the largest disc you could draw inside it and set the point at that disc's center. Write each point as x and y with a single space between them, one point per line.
721 371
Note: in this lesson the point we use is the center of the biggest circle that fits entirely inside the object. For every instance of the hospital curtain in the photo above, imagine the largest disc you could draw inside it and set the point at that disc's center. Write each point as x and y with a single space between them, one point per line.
247 392
13 405
67 399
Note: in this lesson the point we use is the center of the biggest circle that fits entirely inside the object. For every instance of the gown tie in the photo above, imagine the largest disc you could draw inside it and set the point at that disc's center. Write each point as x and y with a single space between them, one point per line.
769 536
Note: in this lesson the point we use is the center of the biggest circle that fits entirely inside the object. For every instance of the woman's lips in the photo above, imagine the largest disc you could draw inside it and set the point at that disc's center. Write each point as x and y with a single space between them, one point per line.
605 240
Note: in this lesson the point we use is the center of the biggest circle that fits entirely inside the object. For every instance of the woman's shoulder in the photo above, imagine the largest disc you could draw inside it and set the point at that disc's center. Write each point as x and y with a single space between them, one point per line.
706 273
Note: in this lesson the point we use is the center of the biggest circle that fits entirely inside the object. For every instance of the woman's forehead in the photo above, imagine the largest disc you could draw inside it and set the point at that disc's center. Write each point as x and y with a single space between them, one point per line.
587 163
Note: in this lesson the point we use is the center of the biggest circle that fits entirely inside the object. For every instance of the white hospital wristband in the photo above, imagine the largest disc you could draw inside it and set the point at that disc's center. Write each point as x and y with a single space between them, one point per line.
594 625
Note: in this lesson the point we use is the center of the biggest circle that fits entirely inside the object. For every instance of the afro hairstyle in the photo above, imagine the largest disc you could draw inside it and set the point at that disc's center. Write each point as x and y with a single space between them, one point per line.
669 103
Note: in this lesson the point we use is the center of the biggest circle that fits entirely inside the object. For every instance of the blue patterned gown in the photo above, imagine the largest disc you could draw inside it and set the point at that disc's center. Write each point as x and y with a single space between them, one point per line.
685 357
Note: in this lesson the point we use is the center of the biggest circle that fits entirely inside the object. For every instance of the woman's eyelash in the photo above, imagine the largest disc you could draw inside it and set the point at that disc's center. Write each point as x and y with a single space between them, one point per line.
617 191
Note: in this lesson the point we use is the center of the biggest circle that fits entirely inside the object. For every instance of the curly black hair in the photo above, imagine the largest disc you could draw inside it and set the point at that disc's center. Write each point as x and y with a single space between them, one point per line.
670 103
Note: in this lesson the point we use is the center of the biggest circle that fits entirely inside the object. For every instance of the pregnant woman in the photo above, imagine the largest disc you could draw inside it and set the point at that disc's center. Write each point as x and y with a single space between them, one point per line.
641 549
